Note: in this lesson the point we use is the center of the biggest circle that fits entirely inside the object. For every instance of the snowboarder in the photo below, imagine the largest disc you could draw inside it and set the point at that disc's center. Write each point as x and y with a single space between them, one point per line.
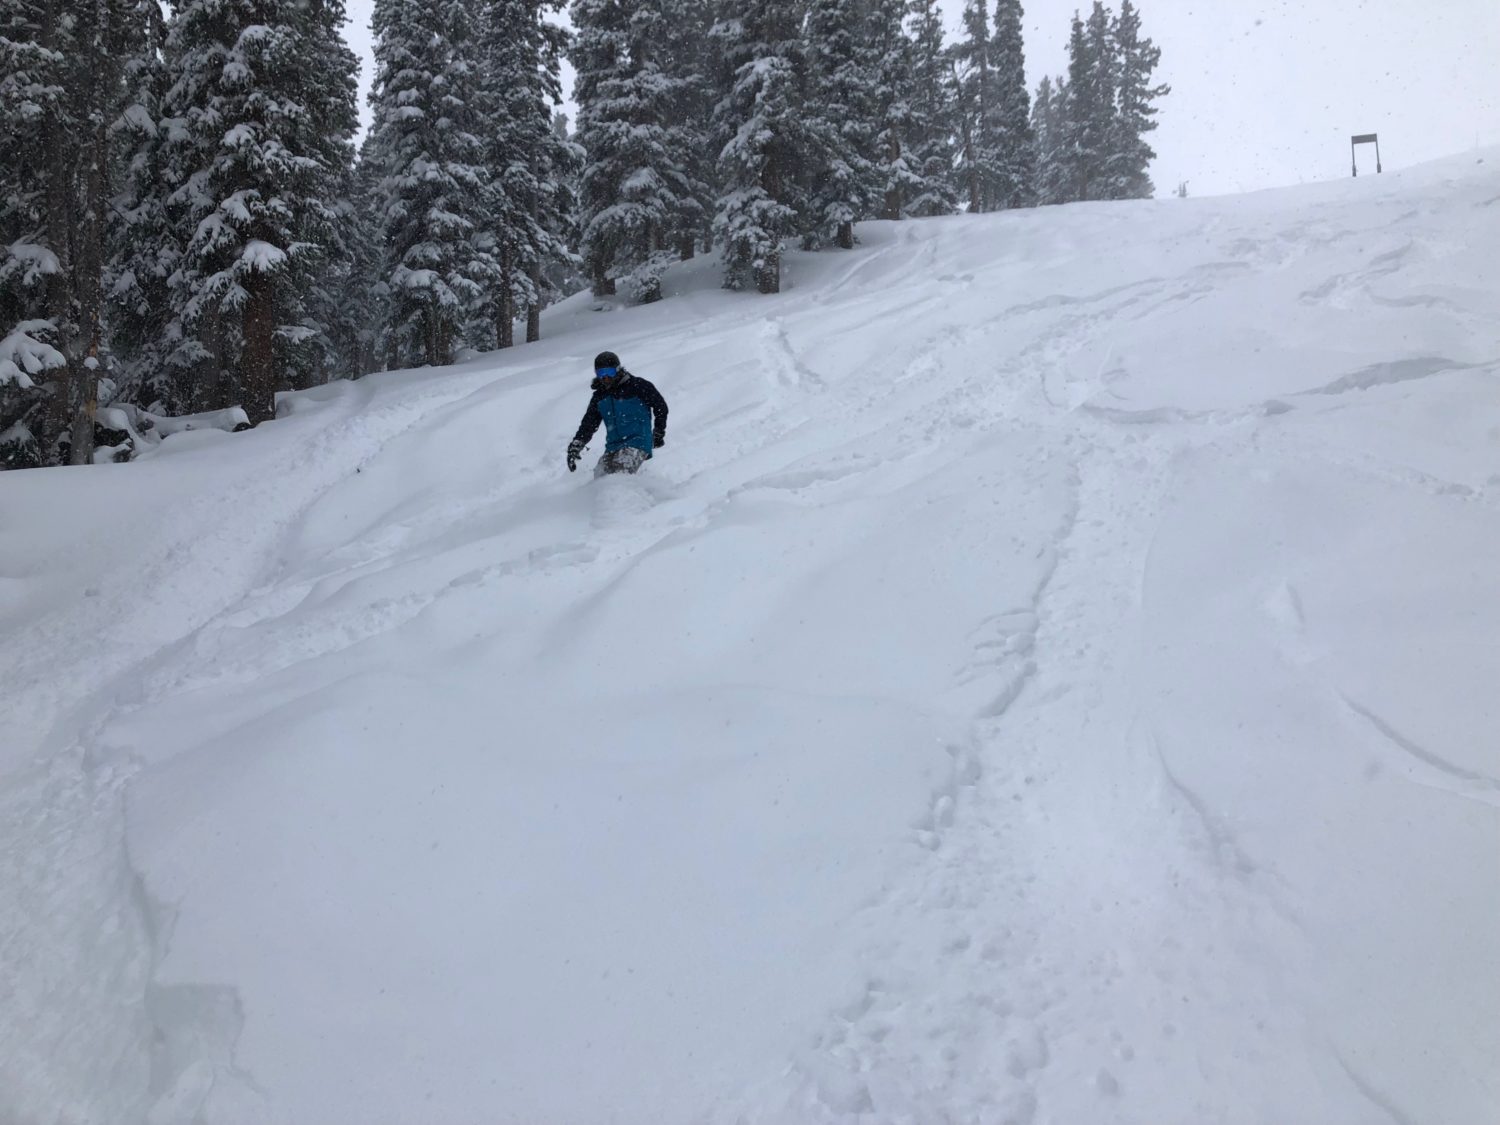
634 416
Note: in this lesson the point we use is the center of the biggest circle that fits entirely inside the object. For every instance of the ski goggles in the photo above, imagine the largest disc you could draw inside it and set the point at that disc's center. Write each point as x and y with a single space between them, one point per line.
606 372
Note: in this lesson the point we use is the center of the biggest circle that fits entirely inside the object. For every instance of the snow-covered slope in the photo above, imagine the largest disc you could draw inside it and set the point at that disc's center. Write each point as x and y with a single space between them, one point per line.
1048 676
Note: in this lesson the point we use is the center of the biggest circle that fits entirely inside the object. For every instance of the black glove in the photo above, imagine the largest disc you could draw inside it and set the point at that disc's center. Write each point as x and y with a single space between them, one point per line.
574 449
658 440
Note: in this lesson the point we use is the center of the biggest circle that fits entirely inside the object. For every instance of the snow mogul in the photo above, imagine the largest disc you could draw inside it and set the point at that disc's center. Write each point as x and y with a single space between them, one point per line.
634 416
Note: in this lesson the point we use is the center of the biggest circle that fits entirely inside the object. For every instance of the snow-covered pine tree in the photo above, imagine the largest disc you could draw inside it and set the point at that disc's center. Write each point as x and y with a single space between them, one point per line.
637 184
667 40
839 116
973 87
565 275
63 89
555 164
1015 153
504 73
930 125
1131 154
765 153
891 53
600 52
347 299
1049 122
32 369
146 245
1090 105
897 178
263 99
686 54
378 347
434 190
532 166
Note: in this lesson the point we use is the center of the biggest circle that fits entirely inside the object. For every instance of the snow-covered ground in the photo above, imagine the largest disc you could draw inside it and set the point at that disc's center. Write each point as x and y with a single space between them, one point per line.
1050 675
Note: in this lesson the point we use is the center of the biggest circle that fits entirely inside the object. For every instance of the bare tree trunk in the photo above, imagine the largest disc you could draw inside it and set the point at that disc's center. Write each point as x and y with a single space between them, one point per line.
438 337
258 349
60 308
768 273
59 287
892 208
217 384
976 204
981 120
534 310
434 348
844 239
685 247
89 274
505 310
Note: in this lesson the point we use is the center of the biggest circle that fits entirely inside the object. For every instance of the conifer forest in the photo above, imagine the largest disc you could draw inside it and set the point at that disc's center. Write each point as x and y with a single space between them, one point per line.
191 220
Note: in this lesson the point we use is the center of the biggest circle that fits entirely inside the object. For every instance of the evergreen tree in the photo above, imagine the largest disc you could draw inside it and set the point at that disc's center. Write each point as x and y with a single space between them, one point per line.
436 199
63 89
1131 155
974 94
1104 67
565 275
930 125
638 187
599 53
764 148
1090 105
839 119
669 37
505 79
146 246
372 346
1096 148
532 163
1015 144
897 178
887 52
347 301
686 54
1049 121
557 164
269 149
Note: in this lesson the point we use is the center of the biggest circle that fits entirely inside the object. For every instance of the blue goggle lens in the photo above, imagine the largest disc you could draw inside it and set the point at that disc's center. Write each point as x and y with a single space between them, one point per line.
606 372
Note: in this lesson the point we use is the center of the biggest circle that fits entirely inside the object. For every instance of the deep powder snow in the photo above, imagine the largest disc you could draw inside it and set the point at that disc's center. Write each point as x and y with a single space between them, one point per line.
1048 676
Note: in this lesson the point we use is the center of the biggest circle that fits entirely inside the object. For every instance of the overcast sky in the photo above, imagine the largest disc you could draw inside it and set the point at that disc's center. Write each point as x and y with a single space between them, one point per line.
1268 93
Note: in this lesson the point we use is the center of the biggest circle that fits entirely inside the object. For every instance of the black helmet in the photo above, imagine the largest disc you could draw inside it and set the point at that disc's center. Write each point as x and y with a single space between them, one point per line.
606 359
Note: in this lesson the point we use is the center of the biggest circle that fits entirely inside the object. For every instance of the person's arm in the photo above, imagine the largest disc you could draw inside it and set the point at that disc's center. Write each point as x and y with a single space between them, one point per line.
586 428
590 424
652 398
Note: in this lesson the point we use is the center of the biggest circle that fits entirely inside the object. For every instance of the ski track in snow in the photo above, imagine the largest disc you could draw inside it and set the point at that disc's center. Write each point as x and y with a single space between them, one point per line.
64 812
1073 928
970 1041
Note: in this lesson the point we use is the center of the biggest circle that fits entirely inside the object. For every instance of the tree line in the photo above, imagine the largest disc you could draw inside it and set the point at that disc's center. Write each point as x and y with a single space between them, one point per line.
186 222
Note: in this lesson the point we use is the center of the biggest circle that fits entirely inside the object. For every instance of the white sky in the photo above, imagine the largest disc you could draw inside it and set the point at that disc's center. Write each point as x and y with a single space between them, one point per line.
1267 93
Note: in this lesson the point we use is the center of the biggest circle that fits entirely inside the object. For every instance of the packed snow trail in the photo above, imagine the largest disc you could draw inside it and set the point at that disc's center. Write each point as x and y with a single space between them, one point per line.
1046 678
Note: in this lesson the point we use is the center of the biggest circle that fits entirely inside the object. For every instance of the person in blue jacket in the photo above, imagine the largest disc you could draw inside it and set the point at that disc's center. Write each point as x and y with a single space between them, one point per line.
634 416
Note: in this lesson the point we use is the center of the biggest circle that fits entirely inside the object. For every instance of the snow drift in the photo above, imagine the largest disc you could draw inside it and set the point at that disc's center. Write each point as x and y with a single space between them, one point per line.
1048 676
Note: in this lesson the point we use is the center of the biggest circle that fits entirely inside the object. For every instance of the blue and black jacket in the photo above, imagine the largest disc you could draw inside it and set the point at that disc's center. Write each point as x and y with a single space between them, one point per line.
633 412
